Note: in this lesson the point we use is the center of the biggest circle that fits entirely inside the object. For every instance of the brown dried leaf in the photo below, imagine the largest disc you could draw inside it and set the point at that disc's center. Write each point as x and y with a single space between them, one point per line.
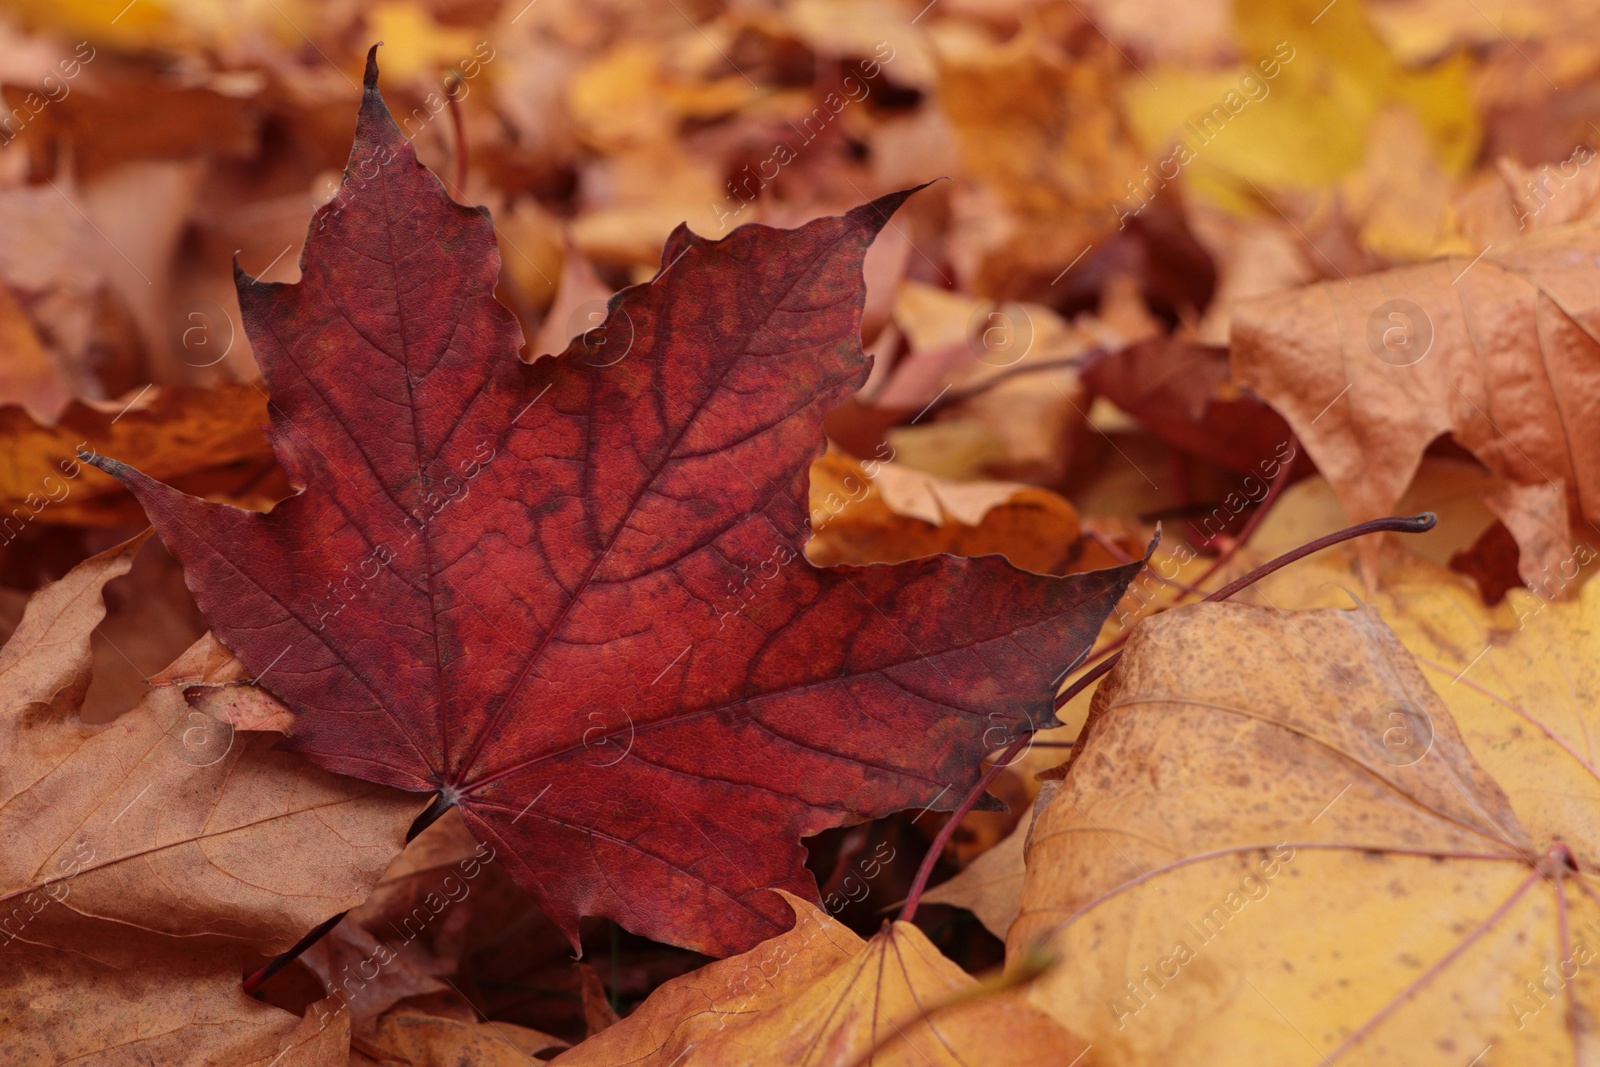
412 1037
1501 352
141 855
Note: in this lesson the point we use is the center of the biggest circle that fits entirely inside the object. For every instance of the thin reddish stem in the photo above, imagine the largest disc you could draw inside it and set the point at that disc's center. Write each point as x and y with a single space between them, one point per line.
1416 524
254 981
1113 549
948 830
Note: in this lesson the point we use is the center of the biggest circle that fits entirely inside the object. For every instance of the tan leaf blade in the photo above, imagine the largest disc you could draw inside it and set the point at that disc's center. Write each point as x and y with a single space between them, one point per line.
820 995
417 1038
141 854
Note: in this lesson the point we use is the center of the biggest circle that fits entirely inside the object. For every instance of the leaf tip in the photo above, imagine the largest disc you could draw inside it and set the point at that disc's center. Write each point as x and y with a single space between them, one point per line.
241 277
369 80
874 214
113 467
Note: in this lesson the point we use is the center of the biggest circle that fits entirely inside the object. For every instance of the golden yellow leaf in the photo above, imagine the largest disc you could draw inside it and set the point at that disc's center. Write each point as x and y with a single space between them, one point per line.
1275 846
1520 679
1296 111
636 92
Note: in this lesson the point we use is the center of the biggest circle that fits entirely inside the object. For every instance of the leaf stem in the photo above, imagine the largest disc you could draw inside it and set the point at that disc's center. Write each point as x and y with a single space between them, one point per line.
442 802
1414 524
253 982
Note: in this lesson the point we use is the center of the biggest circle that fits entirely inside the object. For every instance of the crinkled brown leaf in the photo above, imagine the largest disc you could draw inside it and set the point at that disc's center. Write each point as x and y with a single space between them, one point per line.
1499 351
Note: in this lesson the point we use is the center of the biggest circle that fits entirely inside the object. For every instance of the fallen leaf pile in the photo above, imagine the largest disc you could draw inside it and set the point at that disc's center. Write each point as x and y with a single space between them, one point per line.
581 548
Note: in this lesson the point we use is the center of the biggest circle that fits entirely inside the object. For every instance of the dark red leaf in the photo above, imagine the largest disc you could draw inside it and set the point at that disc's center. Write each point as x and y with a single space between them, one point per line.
570 594
1179 390
1491 561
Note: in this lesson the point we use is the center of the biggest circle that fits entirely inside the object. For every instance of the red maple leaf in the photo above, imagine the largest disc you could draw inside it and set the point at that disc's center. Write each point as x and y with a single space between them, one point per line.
569 595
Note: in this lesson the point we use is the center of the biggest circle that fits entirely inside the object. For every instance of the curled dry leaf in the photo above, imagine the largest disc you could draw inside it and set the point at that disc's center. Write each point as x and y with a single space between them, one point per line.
141 854
518 584
1308 867
885 513
215 683
206 439
821 995
1499 351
